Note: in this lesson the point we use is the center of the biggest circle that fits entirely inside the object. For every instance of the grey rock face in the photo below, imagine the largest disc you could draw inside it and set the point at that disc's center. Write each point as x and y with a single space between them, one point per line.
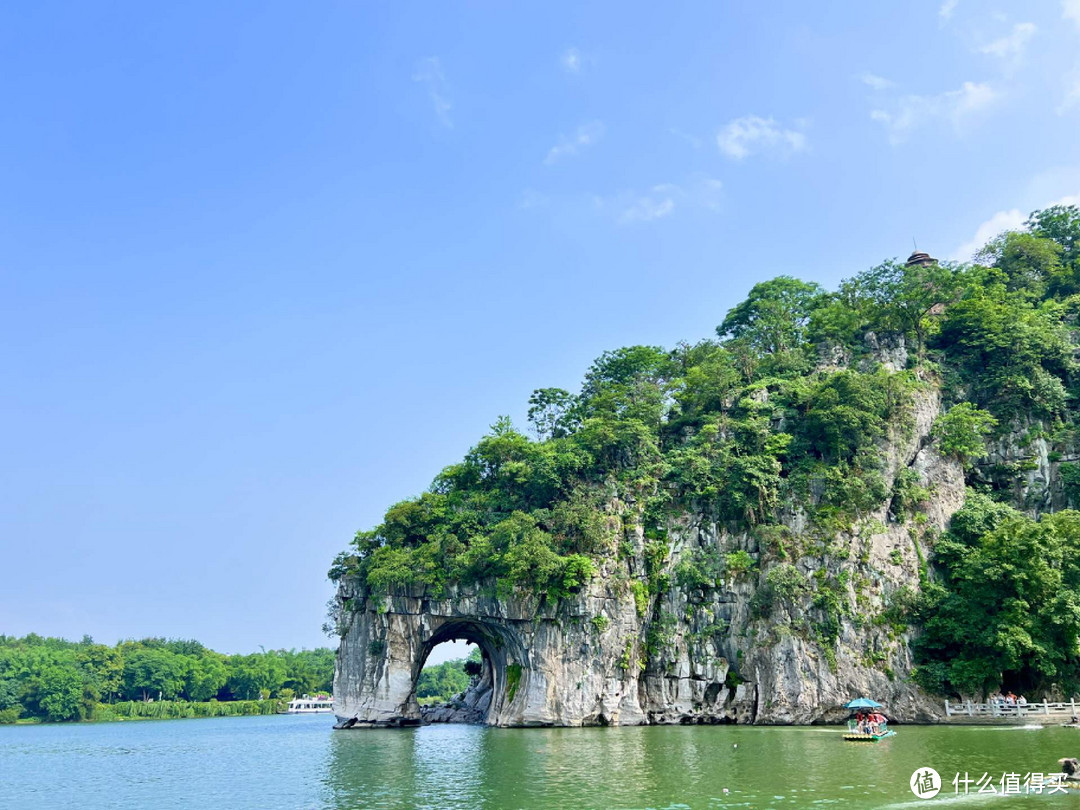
743 649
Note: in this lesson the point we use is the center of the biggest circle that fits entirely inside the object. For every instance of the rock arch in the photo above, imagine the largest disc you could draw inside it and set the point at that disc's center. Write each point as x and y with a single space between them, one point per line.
385 648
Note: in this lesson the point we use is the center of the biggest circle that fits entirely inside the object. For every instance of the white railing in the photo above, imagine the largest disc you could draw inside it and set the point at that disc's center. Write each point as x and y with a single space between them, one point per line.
968 708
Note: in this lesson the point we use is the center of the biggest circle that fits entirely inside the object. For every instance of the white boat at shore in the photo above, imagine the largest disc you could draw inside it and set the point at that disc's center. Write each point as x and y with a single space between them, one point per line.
311 705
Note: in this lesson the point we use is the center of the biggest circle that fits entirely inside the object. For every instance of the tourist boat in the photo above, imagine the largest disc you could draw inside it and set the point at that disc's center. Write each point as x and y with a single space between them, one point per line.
857 733
320 704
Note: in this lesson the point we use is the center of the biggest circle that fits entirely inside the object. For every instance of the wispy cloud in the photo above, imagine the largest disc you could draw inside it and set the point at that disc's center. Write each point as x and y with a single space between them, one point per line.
689 138
657 204
429 72
1010 48
585 136
876 82
661 201
999 222
910 112
1011 220
1072 92
571 60
1070 10
946 10
751 133
708 192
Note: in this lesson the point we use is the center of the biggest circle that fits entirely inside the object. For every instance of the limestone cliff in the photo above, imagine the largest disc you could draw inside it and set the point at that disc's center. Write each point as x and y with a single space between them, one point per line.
788 636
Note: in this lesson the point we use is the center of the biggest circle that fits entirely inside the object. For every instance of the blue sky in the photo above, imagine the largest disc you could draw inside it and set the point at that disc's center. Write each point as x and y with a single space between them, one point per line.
267 267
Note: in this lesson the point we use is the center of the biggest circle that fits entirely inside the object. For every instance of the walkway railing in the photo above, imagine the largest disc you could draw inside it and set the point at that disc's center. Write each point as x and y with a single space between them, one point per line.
1012 710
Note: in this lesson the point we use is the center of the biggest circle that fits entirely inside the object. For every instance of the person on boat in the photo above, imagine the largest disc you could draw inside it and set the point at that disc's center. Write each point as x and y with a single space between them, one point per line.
1070 766
860 723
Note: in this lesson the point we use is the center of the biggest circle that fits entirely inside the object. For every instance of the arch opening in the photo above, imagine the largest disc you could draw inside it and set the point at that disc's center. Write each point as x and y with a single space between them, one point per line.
450 669
485 693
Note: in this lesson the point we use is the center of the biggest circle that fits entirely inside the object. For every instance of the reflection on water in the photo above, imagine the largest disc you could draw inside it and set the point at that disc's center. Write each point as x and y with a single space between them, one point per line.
300 763
715 767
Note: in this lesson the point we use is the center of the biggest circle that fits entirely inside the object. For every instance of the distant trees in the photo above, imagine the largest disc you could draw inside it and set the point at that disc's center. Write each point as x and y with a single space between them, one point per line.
447 680
56 680
154 672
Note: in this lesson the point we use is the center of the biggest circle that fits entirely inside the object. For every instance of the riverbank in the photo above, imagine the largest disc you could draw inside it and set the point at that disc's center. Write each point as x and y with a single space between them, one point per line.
170 710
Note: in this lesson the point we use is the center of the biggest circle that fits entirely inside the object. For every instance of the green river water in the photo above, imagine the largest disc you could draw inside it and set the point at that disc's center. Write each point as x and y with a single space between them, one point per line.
300 762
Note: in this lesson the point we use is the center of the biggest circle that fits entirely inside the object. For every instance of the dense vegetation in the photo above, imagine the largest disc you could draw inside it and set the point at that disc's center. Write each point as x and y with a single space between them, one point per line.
54 679
439 683
1007 607
787 410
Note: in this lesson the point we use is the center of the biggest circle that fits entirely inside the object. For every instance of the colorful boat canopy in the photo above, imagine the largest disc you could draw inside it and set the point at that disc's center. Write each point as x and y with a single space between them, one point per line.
862 703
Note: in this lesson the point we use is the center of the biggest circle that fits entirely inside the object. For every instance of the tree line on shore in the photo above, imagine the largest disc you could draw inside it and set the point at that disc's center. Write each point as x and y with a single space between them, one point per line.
56 680
439 683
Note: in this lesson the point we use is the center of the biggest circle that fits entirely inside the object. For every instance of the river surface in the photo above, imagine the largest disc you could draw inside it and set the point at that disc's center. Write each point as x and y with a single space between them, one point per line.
299 762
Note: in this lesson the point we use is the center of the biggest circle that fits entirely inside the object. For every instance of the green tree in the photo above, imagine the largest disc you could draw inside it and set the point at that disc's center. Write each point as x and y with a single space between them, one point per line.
206 676
442 681
104 667
1062 224
60 694
154 673
903 298
774 316
10 694
1028 261
1006 612
551 412
962 430
1011 353
843 414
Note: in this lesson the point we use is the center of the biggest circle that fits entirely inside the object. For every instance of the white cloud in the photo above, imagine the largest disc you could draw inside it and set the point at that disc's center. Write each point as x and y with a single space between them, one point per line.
946 11
1000 222
430 73
1011 48
585 136
751 133
1070 10
910 112
876 82
646 208
633 207
571 60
